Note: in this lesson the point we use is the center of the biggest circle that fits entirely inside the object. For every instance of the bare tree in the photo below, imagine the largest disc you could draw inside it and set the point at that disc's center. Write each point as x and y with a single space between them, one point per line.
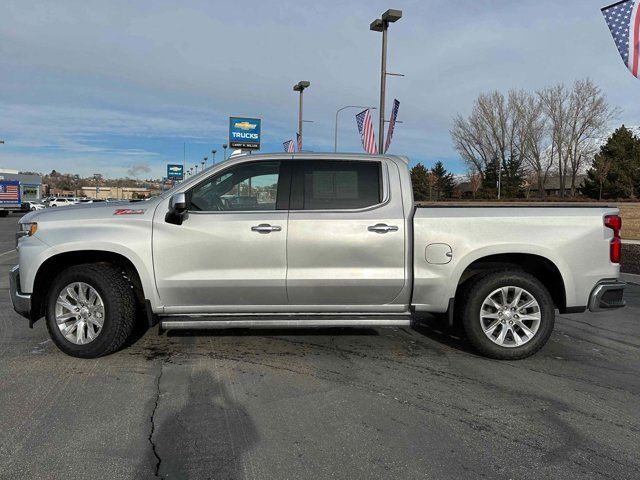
555 102
603 167
533 132
475 182
469 140
577 117
488 139
589 117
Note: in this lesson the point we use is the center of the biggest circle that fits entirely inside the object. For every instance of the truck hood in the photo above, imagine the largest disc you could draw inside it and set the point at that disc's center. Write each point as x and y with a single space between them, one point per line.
94 211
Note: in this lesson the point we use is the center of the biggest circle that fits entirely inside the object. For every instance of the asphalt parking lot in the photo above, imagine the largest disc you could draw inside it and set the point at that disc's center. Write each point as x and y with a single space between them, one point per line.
341 403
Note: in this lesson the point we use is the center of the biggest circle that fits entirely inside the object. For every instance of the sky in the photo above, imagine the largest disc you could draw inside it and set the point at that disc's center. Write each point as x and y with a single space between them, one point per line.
122 88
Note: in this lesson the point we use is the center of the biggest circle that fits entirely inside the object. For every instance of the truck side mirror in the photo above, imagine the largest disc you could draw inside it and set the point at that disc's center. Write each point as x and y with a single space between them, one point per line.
177 209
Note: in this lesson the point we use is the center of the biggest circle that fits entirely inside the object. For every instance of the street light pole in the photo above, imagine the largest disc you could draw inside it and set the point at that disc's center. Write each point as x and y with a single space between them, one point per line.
204 162
382 25
299 87
213 157
224 156
335 135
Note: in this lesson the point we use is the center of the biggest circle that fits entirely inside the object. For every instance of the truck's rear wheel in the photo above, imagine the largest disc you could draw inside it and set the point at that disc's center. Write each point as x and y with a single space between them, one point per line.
507 315
90 310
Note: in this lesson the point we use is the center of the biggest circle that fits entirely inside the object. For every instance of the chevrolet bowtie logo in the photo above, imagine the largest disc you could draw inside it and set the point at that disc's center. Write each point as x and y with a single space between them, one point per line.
175 169
245 125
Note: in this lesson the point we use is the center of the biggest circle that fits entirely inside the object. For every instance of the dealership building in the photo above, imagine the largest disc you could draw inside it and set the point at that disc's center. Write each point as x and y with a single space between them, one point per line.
30 185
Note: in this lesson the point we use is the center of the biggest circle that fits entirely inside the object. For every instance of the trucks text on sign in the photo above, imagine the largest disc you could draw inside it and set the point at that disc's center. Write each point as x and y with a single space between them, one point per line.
244 133
175 171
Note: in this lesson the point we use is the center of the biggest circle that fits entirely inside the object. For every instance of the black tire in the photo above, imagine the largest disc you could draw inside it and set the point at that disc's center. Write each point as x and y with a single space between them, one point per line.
474 295
119 309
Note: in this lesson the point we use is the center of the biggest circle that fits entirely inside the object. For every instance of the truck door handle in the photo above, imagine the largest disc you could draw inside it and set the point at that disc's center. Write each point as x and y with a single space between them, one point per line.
382 228
266 228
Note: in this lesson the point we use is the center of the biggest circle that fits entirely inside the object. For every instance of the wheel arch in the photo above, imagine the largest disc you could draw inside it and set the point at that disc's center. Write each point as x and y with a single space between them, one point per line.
53 265
543 269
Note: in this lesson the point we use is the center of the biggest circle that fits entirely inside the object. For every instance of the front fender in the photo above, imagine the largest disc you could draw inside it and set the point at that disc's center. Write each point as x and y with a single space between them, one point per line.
53 239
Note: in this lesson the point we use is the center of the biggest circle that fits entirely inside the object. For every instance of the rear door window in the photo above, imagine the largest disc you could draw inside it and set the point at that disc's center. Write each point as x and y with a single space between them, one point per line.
336 185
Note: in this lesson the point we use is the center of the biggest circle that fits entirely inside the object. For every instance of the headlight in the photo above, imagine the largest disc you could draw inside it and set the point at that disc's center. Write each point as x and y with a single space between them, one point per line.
29 228
26 230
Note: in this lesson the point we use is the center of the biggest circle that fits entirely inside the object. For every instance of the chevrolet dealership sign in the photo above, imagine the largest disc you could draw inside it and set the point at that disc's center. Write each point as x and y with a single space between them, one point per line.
244 133
175 171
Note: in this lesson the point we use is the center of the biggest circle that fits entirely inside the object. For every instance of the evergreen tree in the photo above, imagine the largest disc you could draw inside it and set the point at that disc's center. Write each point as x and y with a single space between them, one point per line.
511 180
420 182
444 183
615 171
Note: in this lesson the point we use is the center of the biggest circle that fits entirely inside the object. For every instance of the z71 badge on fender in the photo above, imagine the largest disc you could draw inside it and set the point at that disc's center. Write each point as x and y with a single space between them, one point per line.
129 211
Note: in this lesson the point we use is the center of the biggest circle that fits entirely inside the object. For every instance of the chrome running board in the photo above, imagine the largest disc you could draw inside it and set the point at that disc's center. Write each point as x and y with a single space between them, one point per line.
209 323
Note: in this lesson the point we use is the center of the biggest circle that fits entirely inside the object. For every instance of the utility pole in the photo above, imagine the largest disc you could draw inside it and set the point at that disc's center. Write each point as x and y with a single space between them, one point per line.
299 87
382 25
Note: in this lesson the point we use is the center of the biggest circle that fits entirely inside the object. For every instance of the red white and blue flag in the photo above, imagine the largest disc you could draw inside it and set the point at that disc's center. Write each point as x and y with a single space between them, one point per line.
288 146
623 19
299 137
365 127
392 124
9 192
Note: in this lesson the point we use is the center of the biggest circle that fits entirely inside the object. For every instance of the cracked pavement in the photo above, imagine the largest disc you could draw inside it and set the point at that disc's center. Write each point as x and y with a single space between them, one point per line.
332 403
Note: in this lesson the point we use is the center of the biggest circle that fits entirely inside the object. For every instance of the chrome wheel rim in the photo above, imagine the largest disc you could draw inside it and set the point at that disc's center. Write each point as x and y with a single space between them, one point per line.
510 316
79 313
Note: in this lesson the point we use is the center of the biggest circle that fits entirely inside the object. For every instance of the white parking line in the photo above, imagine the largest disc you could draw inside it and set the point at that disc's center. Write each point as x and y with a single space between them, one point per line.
6 253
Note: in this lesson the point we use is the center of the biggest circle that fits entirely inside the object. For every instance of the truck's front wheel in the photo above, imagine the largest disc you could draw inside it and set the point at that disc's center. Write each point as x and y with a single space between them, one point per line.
507 314
90 310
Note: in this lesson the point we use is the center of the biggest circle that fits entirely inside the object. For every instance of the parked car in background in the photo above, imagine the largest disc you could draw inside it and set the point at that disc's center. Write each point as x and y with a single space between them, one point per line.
91 200
32 206
313 240
61 201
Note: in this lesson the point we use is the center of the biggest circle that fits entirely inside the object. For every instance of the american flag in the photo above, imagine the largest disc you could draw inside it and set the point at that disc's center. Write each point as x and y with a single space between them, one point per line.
288 146
299 137
623 19
365 127
392 124
9 192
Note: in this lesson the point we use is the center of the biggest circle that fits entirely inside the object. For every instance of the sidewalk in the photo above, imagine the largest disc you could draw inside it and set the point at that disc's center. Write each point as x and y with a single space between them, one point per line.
631 242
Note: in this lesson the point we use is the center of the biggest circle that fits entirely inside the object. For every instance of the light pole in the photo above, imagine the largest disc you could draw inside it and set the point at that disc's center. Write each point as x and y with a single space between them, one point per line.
335 135
213 157
224 156
299 87
204 162
381 25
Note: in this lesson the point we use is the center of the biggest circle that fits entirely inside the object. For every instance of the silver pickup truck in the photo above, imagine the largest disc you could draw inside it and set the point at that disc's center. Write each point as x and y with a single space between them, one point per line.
312 240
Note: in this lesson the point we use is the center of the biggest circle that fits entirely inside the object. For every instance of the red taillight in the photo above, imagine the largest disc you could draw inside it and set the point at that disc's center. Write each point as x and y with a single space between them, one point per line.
616 250
614 222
